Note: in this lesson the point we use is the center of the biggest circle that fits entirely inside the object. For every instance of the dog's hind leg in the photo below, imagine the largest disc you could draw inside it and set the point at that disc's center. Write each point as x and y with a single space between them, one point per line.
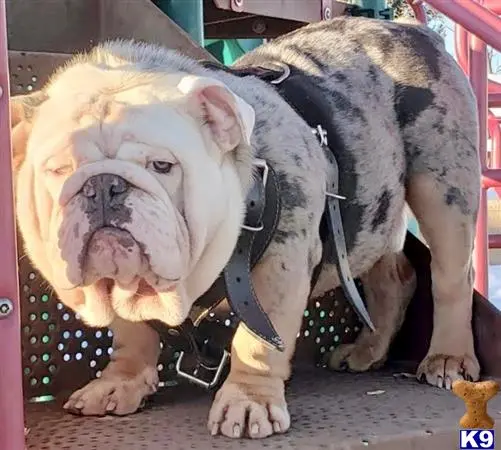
388 287
446 211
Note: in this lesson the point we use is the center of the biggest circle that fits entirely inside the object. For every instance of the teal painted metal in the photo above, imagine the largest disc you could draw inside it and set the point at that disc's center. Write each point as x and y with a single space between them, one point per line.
372 8
413 227
228 50
188 14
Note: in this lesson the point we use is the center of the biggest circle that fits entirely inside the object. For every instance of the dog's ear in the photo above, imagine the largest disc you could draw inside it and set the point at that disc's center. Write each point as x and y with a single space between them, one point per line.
231 119
23 109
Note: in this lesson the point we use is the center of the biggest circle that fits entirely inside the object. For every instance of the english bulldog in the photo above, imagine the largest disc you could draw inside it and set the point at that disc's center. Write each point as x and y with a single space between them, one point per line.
133 164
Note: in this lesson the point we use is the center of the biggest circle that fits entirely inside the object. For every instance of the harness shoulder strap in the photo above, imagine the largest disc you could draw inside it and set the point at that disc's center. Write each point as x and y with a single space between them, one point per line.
301 93
263 212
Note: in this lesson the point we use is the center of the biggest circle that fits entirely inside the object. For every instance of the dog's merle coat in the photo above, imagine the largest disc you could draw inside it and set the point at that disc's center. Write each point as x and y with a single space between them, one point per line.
405 126
403 122
400 106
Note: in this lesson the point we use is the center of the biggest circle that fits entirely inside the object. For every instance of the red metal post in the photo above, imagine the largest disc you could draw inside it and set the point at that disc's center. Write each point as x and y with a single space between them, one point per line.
494 94
473 17
493 5
462 47
494 99
495 135
495 241
418 9
471 52
491 178
478 79
11 395
462 53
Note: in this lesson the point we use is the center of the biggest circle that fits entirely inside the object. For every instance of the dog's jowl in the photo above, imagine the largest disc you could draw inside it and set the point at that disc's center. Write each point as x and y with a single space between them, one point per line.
133 167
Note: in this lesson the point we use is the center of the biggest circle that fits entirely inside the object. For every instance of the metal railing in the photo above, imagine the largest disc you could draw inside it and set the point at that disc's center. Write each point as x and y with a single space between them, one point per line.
478 25
11 394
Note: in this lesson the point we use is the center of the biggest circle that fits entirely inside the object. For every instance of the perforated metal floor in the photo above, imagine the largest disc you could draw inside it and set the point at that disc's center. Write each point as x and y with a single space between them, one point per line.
329 411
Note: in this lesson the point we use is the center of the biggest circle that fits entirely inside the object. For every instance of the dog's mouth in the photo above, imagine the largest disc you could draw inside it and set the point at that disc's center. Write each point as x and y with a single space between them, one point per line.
116 262
110 290
119 275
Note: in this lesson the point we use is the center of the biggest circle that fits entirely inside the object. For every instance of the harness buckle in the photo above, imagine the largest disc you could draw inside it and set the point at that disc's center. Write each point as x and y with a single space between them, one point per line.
321 134
339 197
198 380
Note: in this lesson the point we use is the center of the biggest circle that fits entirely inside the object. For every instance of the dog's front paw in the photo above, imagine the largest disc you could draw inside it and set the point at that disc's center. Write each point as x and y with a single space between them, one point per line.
113 394
442 370
252 411
360 356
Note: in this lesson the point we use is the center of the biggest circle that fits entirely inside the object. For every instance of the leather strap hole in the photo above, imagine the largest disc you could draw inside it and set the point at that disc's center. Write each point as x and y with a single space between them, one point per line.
252 204
238 279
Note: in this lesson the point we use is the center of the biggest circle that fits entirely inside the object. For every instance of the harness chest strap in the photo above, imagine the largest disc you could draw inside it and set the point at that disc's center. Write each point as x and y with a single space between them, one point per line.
335 226
308 103
262 215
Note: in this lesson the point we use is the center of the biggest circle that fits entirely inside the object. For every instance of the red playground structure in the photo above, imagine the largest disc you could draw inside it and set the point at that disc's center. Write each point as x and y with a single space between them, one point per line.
39 367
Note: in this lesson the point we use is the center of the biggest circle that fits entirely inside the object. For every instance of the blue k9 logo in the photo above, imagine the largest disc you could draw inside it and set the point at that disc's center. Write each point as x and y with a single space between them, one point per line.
476 439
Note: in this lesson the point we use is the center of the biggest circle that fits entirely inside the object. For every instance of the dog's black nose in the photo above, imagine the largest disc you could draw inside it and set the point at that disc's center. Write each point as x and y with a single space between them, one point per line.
105 185
105 194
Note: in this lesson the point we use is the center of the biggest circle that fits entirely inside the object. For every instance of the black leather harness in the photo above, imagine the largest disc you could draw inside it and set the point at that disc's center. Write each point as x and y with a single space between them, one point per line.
262 215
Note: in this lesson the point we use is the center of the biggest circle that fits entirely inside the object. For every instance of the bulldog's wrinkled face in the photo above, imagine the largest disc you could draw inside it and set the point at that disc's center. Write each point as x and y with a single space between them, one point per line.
130 188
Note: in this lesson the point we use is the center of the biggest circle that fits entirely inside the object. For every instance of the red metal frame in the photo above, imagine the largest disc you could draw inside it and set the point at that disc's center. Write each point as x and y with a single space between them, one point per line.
474 17
11 395
477 21
419 11
478 24
479 81
495 136
493 5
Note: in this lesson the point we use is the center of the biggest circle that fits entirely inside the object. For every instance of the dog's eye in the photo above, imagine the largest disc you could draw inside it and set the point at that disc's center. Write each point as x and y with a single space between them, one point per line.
58 171
161 166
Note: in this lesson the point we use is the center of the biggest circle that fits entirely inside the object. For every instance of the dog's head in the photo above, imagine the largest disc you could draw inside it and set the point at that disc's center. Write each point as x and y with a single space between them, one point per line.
130 182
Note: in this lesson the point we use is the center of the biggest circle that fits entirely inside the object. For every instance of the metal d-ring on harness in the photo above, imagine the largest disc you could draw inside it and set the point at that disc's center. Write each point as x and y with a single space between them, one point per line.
262 216
235 285
308 102
233 277
196 380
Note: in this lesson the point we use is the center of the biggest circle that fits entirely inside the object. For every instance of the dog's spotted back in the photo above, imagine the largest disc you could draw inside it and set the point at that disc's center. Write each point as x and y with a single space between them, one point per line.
406 132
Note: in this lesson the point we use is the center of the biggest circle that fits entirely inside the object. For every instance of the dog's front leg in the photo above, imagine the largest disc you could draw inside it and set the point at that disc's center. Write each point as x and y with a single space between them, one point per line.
130 376
251 402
